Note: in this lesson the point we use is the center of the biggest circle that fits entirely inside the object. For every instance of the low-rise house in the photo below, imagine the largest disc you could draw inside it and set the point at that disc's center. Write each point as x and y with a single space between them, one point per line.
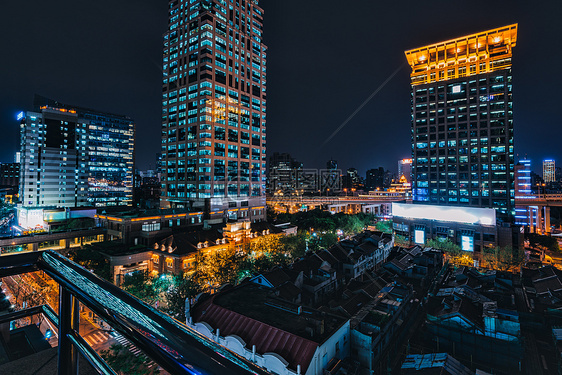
378 325
415 264
475 314
364 252
283 337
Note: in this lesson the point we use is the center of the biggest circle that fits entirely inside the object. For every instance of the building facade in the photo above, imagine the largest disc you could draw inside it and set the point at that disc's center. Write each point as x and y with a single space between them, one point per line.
462 121
110 142
548 171
214 107
54 158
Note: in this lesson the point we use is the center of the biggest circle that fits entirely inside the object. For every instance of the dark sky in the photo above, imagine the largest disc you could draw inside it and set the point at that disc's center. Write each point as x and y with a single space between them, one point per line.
325 58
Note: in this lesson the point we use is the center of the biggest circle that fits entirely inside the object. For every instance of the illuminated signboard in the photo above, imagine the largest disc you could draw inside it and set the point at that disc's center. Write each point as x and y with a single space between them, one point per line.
419 236
31 218
467 243
20 116
465 215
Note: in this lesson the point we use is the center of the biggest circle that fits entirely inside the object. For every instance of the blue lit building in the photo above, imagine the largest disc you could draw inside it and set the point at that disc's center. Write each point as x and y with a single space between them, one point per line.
102 144
524 215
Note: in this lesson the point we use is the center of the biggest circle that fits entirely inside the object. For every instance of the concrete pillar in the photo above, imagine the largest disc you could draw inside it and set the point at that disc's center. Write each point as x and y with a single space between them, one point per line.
35 246
539 219
546 219
530 219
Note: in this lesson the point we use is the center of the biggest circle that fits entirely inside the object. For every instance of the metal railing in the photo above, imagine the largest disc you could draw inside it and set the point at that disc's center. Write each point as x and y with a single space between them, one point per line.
172 345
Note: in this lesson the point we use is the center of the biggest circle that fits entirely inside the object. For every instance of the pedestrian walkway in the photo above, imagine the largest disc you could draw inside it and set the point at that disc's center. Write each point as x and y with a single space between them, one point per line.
96 338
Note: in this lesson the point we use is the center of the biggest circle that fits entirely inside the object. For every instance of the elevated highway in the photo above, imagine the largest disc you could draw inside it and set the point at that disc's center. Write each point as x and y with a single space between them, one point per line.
350 204
538 209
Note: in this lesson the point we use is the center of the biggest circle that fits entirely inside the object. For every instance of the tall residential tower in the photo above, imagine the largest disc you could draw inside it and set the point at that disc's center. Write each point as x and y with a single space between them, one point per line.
213 108
462 121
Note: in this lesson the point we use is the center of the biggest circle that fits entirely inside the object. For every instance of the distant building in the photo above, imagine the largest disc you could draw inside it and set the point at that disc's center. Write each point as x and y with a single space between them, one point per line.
9 174
332 164
374 179
548 171
147 192
405 169
174 249
284 173
352 180
389 179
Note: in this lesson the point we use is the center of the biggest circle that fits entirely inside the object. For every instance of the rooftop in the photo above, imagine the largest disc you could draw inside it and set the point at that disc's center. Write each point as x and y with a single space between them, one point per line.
254 314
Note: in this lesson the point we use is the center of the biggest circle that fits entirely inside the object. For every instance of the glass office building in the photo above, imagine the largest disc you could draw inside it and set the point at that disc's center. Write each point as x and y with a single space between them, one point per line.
214 108
462 121
105 149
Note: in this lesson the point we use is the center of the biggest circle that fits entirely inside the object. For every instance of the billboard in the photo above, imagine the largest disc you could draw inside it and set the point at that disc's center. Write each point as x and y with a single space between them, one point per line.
467 243
419 237
465 215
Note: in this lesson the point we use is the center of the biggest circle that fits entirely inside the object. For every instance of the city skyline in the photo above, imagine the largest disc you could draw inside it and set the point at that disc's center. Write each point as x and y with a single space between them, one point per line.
118 69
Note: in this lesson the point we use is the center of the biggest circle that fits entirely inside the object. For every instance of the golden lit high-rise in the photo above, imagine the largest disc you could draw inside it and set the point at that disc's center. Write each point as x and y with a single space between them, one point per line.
462 121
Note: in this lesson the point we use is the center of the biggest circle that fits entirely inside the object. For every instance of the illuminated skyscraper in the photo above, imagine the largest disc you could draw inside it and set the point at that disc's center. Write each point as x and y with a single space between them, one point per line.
462 121
548 171
213 108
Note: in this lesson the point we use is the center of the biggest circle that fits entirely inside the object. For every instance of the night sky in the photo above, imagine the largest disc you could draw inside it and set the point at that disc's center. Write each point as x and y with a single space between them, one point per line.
325 59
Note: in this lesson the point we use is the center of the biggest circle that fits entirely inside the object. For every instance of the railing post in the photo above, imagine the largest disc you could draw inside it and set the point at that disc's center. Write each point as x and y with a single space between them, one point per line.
68 319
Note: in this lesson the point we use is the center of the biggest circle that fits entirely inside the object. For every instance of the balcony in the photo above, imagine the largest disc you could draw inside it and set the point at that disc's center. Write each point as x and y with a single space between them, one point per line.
169 343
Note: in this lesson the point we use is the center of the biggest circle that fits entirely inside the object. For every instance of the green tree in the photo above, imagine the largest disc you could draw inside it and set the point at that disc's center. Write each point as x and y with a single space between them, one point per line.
215 269
453 252
503 258
294 245
265 245
124 362
141 285
182 288
91 259
384 226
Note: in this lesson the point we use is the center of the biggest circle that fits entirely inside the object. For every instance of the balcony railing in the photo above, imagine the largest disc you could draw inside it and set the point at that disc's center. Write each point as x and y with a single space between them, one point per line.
169 343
